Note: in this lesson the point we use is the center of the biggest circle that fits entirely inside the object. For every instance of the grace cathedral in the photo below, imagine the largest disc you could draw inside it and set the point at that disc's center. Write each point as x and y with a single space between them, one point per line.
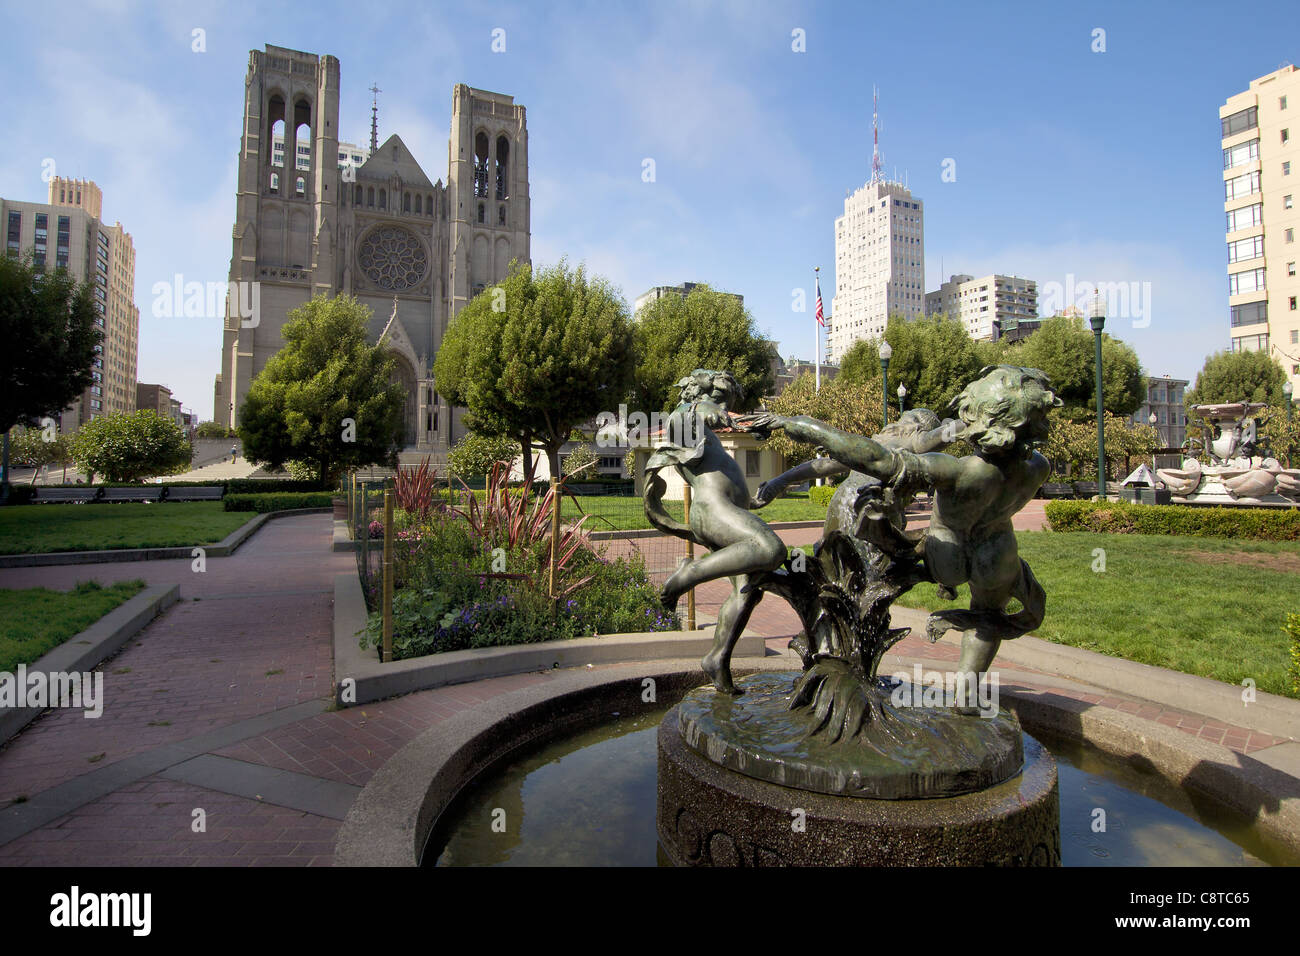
370 225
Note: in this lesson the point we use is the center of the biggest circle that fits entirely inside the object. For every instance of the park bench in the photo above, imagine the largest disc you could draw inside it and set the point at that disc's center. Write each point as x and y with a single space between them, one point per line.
132 494
206 493
78 496
1085 489
1054 490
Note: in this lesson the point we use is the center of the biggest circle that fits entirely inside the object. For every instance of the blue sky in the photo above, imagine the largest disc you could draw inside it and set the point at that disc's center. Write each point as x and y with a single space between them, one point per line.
1104 166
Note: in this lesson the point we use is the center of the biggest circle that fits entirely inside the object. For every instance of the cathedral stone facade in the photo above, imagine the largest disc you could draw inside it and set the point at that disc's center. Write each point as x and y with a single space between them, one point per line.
415 251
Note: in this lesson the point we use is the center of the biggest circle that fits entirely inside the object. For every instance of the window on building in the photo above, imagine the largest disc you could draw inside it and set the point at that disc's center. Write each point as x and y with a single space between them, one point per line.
1241 153
1281 102
1240 121
1286 168
501 215
1290 268
301 186
482 213
1243 249
1289 235
1286 202
1245 217
1291 302
1286 136
752 464
1252 280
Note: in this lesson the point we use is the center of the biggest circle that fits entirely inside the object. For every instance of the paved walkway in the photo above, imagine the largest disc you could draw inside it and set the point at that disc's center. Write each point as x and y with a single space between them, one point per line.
220 712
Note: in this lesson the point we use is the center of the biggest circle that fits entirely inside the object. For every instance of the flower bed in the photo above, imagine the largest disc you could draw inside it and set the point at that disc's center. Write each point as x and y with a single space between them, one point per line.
478 576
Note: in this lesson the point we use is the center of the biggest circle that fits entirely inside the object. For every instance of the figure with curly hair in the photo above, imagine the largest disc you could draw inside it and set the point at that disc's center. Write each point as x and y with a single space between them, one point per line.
740 543
970 539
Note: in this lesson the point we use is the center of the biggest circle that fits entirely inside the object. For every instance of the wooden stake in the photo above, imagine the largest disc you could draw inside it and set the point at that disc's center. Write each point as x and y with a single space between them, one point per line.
690 553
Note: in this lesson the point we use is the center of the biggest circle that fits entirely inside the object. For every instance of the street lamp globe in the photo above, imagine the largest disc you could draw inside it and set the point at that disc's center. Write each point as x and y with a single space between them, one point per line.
902 391
1097 311
886 353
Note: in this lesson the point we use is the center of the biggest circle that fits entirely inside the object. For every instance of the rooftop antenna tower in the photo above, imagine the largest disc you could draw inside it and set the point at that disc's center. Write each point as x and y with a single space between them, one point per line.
877 164
374 118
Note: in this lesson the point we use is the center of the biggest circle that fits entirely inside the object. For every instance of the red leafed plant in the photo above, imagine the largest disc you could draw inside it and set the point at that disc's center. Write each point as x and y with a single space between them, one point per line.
414 488
513 520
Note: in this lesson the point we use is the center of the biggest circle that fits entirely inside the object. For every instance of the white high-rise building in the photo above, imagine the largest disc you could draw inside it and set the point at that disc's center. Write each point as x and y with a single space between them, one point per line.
879 258
879 263
986 305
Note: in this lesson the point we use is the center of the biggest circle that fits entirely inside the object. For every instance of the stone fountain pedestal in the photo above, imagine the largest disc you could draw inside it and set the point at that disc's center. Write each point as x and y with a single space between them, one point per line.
712 815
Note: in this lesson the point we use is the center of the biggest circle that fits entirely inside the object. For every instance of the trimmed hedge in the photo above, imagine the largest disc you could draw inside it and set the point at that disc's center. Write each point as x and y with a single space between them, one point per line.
1119 517
821 495
262 503
22 494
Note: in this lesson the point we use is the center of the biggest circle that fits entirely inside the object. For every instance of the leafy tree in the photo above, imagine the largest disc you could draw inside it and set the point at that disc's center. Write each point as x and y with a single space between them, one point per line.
1283 432
475 454
1072 444
578 461
213 430
326 373
130 446
934 358
32 449
1237 377
1063 347
852 406
47 325
536 355
706 329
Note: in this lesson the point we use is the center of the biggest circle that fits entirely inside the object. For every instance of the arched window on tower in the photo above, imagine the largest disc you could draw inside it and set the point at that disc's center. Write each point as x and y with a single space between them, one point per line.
275 130
370 197
481 213
501 215
503 158
275 182
359 197
481 165
428 205
419 210
301 186
383 199
301 135
406 202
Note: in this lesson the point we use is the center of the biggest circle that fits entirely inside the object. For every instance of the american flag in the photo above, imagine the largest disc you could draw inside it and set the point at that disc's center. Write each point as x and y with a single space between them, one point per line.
821 316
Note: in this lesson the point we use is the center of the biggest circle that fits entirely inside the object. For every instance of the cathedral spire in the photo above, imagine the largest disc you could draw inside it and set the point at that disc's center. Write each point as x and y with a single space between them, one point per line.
374 118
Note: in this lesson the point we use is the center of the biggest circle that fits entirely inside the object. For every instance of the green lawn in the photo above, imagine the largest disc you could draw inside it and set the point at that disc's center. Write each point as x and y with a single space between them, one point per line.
37 529
609 513
37 620
1207 606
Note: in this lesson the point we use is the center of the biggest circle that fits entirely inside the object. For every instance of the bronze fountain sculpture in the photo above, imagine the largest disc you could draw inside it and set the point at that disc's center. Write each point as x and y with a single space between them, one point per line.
838 728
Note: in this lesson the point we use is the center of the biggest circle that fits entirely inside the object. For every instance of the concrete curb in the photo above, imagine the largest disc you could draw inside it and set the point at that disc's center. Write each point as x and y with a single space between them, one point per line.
1269 713
655 533
343 541
223 548
85 651
375 680
395 813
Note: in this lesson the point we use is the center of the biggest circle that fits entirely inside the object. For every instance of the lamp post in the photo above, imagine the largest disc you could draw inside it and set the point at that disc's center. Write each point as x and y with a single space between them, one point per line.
885 354
1287 389
1097 318
902 394
1159 441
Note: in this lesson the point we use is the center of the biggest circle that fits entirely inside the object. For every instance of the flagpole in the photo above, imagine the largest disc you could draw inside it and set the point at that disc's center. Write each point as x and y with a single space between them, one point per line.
817 331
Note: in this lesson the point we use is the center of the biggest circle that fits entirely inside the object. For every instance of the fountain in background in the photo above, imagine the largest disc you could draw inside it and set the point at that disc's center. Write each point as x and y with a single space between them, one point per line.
1238 469
838 765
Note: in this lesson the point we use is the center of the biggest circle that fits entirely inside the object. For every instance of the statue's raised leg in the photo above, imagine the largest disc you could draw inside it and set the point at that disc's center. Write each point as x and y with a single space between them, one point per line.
732 619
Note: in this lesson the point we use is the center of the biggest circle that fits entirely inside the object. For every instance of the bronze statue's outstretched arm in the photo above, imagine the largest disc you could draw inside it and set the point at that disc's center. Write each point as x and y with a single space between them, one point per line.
857 451
817 468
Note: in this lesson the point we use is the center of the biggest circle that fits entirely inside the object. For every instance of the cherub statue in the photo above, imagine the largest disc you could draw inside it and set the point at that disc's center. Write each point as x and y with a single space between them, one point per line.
970 539
739 543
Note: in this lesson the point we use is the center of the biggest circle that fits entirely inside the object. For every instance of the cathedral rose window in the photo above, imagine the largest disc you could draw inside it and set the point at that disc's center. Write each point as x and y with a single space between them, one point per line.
392 258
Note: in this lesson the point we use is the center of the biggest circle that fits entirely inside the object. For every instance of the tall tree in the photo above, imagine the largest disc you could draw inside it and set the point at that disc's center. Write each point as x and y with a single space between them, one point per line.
1063 347
536 355
1237 377
852 406
933 358
48 324
706 329
327 397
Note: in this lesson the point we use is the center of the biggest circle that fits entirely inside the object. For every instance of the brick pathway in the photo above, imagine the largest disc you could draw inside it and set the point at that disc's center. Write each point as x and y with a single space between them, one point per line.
238 675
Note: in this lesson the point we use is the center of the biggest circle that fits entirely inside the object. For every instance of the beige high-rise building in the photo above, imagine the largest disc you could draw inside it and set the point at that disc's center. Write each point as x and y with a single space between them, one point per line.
879 264
414 250
1261 182
986 305
91 250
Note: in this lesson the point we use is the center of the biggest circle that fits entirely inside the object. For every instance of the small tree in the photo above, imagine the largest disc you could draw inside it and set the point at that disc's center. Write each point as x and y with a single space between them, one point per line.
852 406
475 454
579 461
537 355
934 358
706 329
131 446
327 397
1237 377
33 449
